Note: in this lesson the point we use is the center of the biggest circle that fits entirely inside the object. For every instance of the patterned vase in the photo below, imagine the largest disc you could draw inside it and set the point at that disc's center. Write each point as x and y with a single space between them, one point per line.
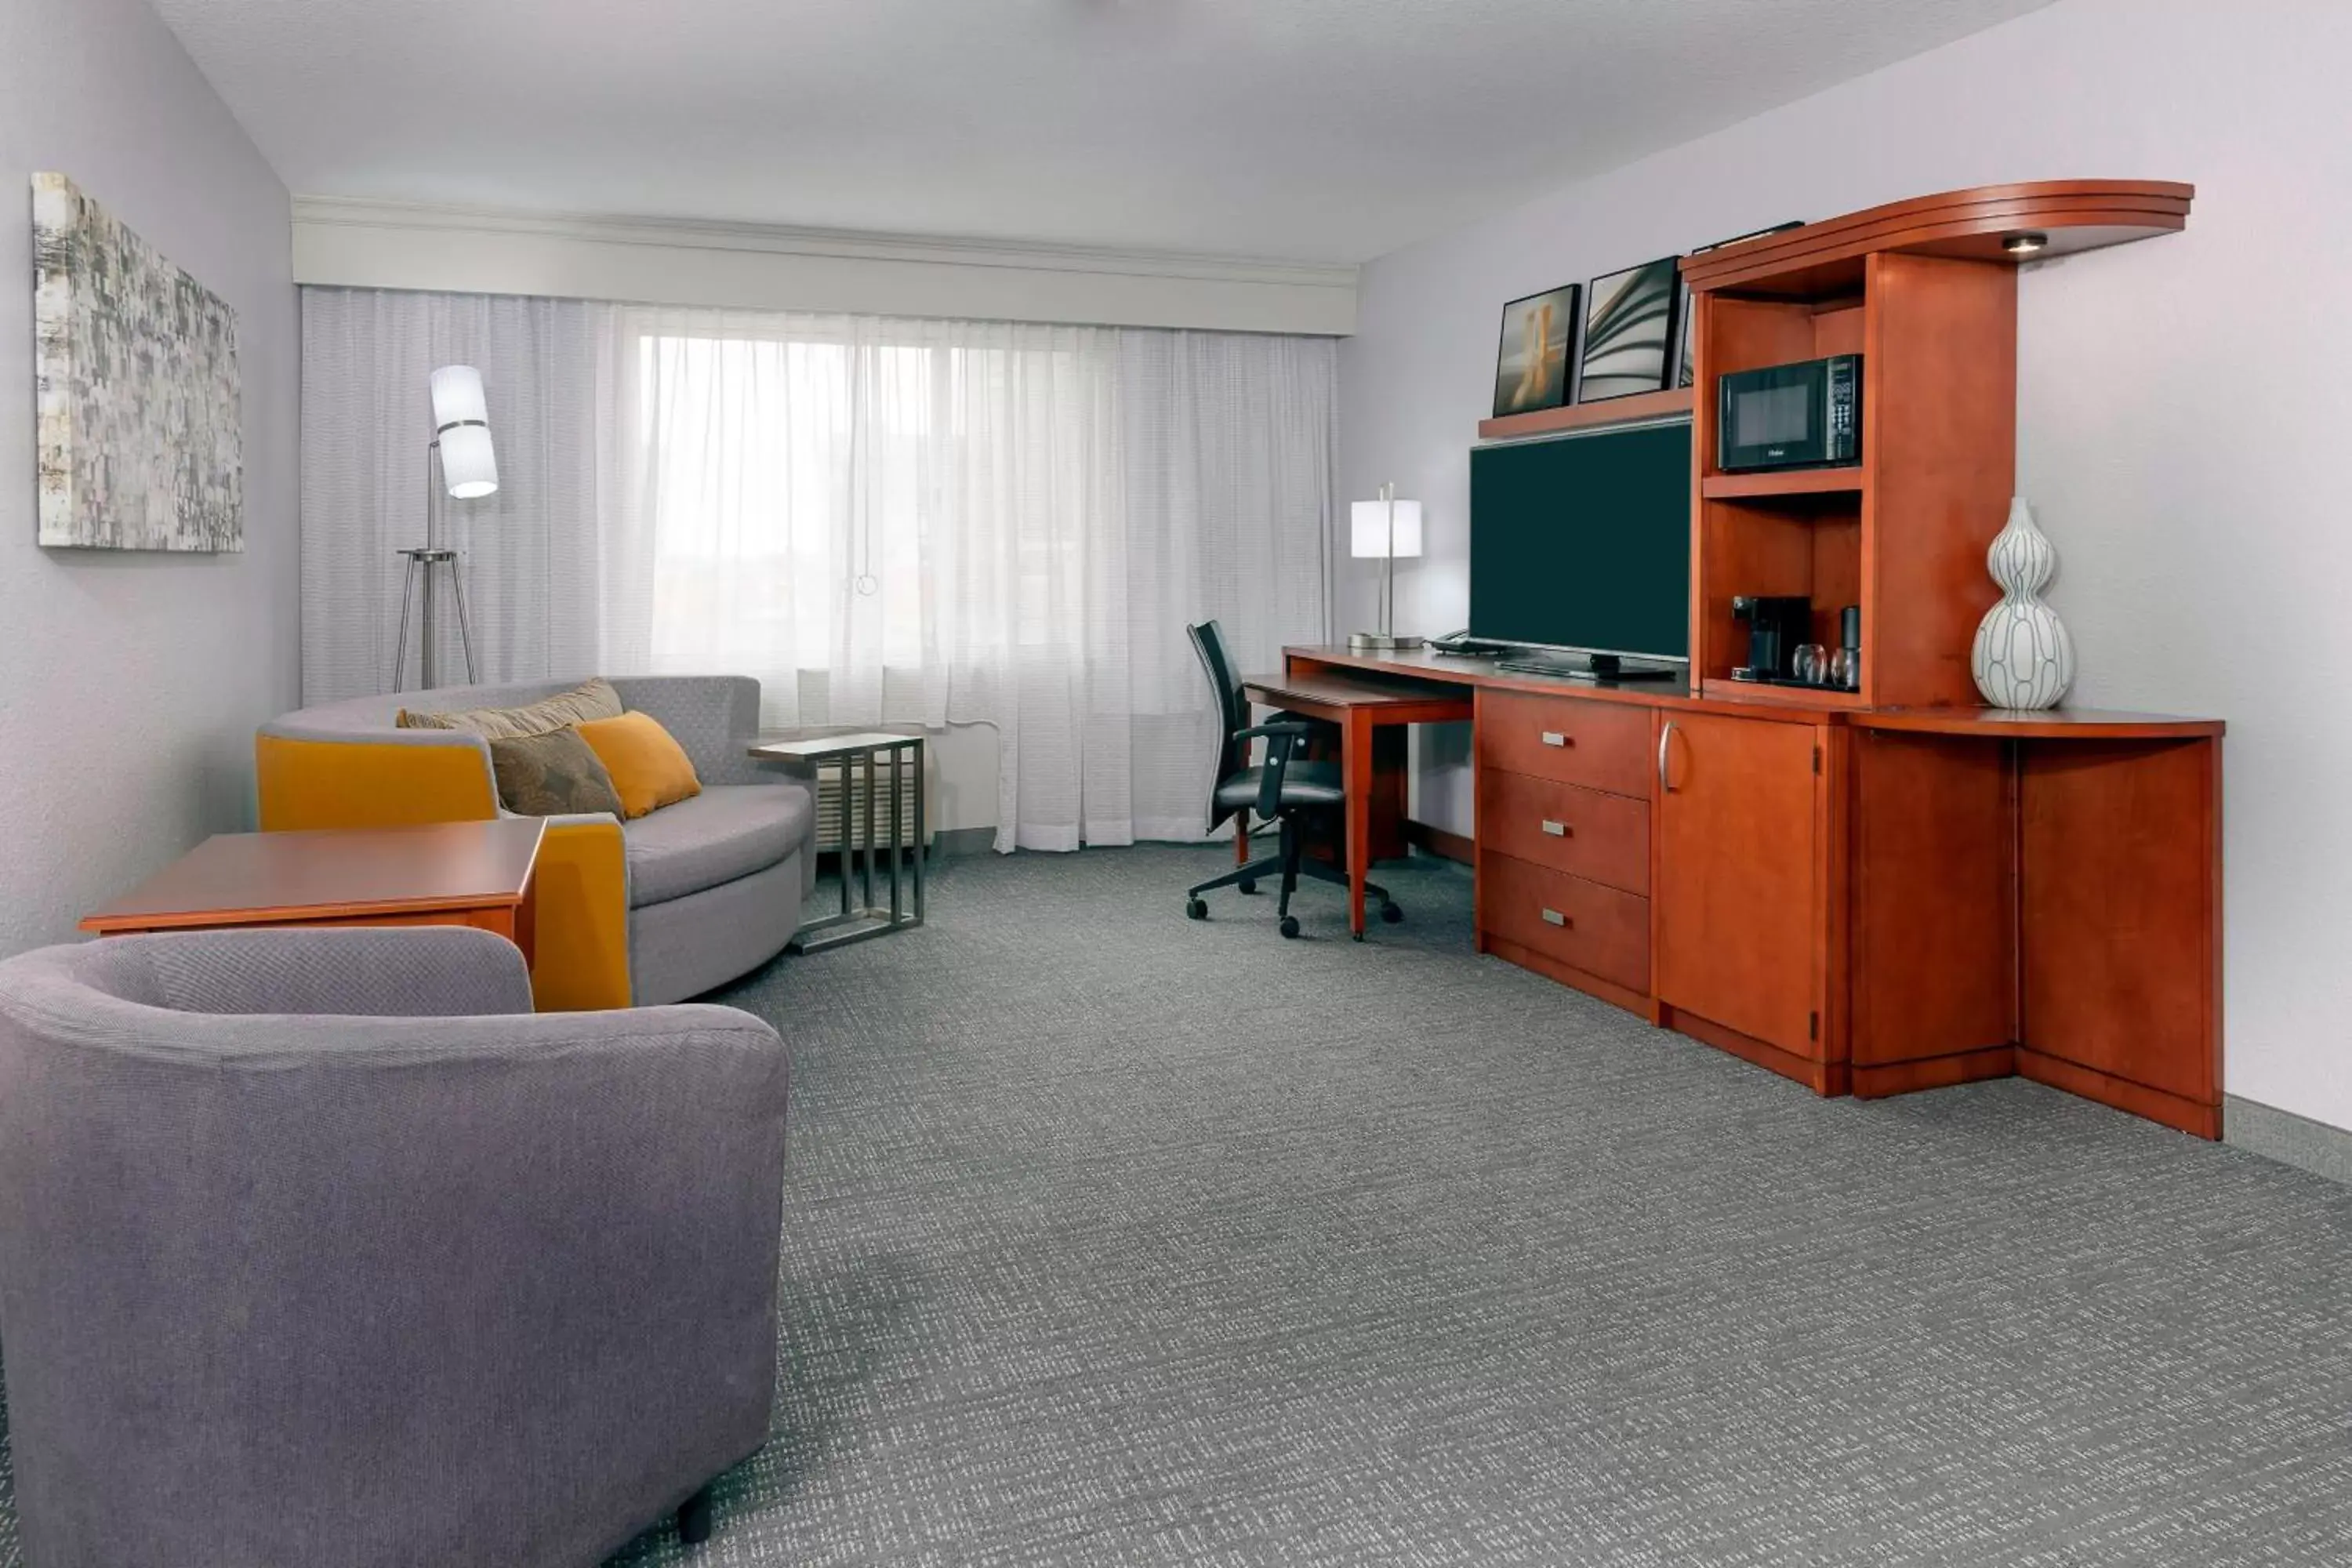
2023 658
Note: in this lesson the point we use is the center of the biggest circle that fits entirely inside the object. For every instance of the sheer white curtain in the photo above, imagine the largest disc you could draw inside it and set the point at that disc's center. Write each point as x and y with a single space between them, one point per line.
883 521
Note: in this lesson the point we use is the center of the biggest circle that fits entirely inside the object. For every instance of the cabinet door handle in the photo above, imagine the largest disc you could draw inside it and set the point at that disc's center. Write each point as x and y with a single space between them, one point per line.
1554 918
1665 739
1554 737
1557 829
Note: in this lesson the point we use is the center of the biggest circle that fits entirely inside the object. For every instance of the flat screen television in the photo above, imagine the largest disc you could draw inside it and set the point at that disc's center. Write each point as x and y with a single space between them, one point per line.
1582 543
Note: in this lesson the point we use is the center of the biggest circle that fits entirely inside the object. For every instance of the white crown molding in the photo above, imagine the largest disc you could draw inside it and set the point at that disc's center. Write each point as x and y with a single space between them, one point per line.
346 242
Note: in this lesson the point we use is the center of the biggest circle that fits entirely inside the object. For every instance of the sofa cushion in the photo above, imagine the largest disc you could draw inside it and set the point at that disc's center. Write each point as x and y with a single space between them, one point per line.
552 776
727 831
648 768
590 699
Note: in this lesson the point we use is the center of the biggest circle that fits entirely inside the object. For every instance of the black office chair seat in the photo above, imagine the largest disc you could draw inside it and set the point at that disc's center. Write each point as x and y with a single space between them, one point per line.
1286 788
1303 784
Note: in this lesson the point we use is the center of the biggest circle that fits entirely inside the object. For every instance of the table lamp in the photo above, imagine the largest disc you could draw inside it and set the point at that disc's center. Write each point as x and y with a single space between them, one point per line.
467 469
1383 531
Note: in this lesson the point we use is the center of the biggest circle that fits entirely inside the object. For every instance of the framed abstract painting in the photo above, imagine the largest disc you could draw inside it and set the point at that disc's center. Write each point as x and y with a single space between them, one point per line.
139 442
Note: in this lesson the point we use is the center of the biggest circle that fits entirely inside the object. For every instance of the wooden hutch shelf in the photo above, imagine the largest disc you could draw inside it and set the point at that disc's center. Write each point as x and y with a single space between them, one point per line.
1826 257
1789 483
1586 416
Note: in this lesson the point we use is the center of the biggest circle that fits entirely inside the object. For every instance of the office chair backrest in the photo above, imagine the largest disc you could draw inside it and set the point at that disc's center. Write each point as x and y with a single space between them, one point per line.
1225 688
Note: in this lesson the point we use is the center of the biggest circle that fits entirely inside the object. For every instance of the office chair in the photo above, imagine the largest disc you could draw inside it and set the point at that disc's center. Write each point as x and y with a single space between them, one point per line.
1284 789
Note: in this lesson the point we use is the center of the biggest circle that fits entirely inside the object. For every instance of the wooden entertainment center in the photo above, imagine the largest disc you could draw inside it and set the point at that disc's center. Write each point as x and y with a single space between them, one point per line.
1887 889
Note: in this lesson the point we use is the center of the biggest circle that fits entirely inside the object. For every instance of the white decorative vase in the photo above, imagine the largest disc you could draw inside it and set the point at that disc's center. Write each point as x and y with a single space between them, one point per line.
2023 658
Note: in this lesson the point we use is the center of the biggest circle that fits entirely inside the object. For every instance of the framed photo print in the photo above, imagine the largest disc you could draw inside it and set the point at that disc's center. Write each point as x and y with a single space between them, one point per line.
1629 331
1532 363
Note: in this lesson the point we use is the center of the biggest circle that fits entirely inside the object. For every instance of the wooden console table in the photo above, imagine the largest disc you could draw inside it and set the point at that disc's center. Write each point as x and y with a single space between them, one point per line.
1867 900
478 874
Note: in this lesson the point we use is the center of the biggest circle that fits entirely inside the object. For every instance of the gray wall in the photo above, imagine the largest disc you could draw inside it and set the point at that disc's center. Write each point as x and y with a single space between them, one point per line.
131 685
2181 407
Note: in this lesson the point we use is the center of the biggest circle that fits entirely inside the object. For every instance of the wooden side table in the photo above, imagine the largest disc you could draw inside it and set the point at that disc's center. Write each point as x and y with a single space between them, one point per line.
477 874
864 918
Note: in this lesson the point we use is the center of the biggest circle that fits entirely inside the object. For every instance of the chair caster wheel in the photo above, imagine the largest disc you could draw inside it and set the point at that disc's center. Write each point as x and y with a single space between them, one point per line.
694 1519
1196 908
1290 925
1391 914
1248 885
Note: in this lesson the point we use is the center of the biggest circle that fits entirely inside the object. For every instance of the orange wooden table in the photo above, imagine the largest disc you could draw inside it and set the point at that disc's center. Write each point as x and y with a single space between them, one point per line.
444 873
1367 710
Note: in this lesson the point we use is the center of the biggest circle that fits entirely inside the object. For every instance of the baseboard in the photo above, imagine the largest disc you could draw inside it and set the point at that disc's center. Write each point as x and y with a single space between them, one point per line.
1439 842
2289 1139
1827 1080
2176 1111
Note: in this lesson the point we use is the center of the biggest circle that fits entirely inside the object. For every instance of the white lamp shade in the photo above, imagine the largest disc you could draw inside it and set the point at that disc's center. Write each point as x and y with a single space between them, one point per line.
1367 535
458 396
469 467
461 423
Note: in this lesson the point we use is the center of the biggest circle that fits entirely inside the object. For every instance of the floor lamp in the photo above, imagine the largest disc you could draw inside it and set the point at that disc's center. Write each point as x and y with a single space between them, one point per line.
1384 530
458 461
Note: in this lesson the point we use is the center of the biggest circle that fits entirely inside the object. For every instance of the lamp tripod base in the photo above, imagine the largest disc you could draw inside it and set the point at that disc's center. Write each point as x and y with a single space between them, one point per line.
1380 642
423 564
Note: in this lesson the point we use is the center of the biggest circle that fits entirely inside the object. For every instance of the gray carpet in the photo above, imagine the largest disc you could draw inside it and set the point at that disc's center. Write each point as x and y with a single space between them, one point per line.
1113 1238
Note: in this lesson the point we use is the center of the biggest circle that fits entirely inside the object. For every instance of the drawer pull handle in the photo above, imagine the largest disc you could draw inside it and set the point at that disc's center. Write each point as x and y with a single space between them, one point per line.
1554 737
1557 829
1554 918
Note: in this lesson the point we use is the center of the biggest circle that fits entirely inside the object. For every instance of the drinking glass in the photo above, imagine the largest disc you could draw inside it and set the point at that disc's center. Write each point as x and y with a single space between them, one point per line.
1846 670
1812 666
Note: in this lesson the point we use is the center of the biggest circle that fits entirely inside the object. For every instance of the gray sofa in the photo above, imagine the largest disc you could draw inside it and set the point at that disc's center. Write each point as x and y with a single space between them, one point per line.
714 883
319 1247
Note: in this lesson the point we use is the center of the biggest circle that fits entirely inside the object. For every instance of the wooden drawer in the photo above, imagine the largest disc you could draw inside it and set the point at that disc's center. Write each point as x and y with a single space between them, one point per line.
1581 923
1593 834
1600 745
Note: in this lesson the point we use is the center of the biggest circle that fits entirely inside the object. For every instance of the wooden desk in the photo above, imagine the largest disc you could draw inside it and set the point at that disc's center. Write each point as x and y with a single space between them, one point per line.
1371 711
1867 899
479 873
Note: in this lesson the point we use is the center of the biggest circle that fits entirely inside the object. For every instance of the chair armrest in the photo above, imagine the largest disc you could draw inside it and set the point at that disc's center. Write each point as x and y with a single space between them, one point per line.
393 972
1281 737
580 915
556 1235
391 778
715 718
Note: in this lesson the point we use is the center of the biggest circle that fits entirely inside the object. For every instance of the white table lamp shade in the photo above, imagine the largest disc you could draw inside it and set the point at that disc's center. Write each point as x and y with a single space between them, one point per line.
461 416
1367 535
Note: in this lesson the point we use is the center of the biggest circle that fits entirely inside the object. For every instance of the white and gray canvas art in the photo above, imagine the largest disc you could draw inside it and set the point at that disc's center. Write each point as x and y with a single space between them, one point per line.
140 440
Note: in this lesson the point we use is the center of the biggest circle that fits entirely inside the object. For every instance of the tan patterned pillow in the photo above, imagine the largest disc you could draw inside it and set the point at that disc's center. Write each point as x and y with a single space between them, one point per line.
552 774
592 699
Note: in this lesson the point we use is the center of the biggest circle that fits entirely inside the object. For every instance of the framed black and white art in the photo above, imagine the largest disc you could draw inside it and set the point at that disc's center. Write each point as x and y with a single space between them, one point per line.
1629 333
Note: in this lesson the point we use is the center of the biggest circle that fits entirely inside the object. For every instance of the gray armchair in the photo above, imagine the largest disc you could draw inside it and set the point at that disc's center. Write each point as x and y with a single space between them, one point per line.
318 1247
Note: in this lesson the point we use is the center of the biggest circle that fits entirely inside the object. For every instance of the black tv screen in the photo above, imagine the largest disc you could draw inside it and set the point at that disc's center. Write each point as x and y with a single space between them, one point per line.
1583 541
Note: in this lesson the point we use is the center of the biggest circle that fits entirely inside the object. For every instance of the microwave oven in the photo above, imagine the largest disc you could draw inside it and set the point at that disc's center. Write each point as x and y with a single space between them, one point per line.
1805 415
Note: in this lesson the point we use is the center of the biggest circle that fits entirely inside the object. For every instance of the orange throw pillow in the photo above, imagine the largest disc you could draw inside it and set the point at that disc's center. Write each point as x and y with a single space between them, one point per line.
649 769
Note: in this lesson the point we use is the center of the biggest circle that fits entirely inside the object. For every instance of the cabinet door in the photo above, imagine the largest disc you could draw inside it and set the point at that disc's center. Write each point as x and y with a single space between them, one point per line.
1739 884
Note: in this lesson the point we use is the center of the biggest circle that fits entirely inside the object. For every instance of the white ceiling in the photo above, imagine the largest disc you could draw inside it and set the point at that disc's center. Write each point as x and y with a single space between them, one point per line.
1313 129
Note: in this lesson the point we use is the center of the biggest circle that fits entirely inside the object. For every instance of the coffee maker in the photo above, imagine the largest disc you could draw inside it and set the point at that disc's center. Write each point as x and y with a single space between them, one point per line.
1778 624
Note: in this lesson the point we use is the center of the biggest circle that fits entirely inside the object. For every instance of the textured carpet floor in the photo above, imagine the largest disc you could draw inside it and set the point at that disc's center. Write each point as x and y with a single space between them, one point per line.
1113 1238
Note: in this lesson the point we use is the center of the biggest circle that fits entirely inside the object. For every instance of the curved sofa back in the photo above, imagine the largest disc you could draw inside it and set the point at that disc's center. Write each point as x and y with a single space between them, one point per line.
352 715
349 764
